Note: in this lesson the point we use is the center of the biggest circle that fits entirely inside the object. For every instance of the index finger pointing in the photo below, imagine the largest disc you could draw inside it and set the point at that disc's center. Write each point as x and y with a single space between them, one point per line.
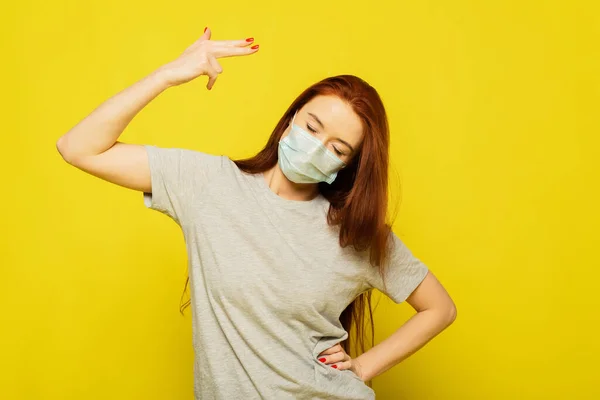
227 51
235 43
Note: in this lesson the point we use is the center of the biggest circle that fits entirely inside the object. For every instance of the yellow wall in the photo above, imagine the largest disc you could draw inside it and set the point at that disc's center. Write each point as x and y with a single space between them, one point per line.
493 138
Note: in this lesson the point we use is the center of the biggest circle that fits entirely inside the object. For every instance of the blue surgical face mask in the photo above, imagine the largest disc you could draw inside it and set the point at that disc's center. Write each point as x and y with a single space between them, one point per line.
304 159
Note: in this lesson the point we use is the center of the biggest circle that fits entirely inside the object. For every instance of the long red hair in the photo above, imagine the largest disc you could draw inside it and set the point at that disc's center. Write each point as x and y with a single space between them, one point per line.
359 195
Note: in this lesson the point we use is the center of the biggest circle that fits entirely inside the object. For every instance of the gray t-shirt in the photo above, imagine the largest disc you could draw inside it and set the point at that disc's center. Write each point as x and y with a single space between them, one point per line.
268 280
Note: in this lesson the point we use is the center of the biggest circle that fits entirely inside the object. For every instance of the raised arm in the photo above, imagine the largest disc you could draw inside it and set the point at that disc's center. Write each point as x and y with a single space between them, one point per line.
92 145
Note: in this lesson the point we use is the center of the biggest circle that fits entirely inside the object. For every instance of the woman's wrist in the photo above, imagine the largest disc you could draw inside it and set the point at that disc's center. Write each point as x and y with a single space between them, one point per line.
357 366
161 76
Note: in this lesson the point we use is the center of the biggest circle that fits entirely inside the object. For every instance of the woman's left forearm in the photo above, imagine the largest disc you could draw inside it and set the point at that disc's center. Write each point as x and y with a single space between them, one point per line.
410 337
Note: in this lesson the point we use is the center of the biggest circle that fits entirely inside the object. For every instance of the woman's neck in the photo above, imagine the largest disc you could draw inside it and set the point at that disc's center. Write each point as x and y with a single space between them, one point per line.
287 189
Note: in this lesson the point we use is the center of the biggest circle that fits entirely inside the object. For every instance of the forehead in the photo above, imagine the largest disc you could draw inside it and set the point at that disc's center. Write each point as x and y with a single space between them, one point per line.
339 118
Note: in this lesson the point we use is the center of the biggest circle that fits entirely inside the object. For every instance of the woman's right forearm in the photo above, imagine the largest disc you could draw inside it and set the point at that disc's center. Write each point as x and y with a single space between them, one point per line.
101 129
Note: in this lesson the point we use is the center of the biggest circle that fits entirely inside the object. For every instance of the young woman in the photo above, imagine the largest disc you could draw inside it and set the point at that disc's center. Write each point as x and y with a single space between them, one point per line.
285 247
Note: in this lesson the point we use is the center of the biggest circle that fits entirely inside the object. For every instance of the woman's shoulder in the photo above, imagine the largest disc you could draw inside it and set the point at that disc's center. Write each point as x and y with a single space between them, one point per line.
190 166
191 159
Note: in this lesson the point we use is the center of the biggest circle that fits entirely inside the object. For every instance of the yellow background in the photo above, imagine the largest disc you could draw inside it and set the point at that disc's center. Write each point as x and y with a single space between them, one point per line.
493 110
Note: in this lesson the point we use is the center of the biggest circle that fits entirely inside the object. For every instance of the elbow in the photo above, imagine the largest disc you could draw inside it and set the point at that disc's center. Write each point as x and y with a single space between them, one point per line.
61 147
451 314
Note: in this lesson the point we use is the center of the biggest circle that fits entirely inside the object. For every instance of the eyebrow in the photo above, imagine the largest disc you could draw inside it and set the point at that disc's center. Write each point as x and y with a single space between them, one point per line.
323 126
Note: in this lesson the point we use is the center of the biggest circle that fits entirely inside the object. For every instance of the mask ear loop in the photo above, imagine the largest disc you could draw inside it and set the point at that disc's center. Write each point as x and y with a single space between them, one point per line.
293 118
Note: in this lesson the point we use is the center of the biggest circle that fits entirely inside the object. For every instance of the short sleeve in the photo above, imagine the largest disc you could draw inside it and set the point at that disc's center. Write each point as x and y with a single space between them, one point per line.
404 272
177 176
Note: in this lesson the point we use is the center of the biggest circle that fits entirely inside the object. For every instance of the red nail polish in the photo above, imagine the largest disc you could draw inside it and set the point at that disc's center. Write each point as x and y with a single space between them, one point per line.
250 39
322 360
334 366
254 47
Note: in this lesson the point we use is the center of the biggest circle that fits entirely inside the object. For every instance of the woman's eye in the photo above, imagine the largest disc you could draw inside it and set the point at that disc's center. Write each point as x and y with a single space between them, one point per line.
339 153
310 128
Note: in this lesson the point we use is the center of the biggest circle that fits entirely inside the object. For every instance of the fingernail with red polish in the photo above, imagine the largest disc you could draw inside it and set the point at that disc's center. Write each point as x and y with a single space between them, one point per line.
334 366
254 47
250 39
322 359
